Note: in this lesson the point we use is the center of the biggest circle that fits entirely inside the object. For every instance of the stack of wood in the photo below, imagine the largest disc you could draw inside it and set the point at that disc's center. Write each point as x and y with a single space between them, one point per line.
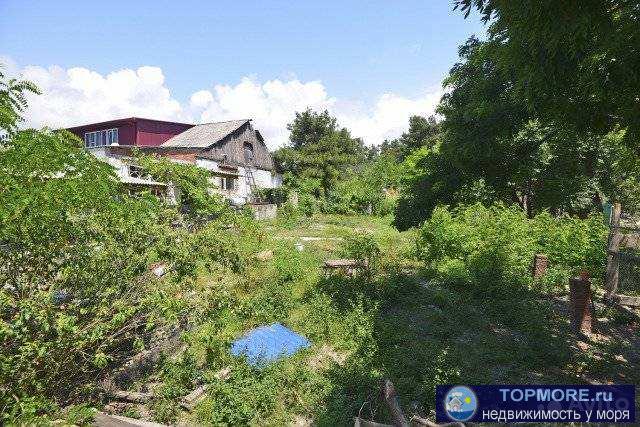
349 267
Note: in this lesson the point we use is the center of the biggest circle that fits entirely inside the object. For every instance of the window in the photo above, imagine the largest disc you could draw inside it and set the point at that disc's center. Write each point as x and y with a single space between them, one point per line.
231 183
227 183
248 151
100 138
90 139
112 136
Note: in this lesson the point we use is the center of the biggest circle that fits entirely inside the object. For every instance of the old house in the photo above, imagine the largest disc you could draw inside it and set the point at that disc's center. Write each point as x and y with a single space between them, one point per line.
233 151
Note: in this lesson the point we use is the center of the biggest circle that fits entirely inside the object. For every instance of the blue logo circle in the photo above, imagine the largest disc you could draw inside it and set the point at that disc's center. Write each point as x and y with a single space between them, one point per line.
460 403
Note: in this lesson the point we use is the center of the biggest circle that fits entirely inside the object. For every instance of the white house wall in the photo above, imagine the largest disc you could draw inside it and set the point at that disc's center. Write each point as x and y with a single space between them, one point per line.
263 178
121 168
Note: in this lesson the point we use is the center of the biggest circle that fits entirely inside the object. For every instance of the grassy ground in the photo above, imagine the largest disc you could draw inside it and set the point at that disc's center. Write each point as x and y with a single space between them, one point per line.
395 323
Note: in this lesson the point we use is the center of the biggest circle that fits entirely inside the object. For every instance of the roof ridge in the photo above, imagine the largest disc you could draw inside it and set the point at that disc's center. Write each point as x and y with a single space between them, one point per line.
223 121
129 119
205 134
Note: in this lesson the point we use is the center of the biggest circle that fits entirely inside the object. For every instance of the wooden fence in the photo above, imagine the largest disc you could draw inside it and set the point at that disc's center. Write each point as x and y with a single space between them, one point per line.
622 279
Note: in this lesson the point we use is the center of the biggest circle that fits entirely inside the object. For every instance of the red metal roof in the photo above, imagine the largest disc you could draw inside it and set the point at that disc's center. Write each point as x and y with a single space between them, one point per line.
127 120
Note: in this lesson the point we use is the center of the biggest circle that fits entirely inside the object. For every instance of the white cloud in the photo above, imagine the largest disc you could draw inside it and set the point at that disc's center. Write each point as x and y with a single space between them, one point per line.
389 117
78 95
271 105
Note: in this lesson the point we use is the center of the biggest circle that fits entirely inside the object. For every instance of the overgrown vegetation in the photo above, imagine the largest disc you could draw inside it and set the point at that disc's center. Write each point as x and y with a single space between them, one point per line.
75 253
490 250
494 141
590 74
494 148
197 199
331 172
503 174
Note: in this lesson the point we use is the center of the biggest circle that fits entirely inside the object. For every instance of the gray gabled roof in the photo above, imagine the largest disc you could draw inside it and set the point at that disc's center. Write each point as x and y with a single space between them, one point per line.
204 135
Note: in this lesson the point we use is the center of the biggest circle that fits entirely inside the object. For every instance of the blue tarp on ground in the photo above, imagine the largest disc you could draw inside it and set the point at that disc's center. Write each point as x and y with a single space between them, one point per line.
268 343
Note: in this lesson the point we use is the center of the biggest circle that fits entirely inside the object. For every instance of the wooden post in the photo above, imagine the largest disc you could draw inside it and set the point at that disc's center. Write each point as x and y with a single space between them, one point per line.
391 399
615 237
580 301
540 264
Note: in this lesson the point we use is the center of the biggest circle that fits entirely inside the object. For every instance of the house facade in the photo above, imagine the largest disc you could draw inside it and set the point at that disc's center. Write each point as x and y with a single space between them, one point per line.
233 151
132 131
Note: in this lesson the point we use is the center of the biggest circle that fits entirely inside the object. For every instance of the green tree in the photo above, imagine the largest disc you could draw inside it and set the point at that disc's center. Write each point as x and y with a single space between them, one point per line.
75 249
374 185
574 62
429 179
309 127
422 131
319 150
67 236
482 116
494 148
476 154
13 101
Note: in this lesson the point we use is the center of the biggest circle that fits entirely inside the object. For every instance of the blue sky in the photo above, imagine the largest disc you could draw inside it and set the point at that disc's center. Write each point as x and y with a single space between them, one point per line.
358 51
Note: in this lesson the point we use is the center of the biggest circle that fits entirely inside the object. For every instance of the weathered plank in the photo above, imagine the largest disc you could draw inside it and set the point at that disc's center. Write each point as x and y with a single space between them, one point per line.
342 263
105 420
132 396
348 266
627 300
615 237
189 401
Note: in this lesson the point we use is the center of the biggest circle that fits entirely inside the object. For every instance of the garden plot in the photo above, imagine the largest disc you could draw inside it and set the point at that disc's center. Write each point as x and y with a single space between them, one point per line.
399 322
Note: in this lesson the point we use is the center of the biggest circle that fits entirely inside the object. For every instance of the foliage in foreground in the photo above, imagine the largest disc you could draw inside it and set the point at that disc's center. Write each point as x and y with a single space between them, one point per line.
491 248
74 256
590 76
78 298
13 102
197 198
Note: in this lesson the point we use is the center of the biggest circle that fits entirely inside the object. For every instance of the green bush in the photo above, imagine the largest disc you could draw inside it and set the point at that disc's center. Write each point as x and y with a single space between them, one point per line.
197 198
492 248
75 251
278 195
573 243
289 215
362 247
308 204
82 415
453 272
251 396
